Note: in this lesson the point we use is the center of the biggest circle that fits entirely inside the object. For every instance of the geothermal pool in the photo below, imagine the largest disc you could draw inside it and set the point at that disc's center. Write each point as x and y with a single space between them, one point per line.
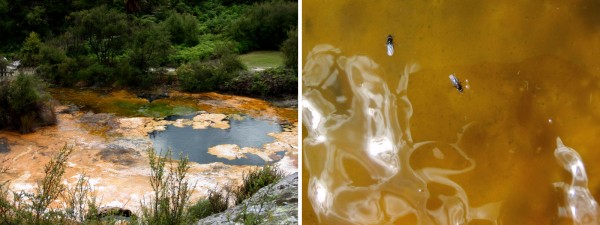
244 132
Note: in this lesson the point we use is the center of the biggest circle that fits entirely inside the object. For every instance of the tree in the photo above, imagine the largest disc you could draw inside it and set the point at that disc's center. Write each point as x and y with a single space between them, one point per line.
183 28
150 46
290 50
264 26
30 52
106 32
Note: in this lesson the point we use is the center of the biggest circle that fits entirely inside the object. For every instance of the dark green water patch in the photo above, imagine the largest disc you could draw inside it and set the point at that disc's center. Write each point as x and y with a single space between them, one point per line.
195 142
123 102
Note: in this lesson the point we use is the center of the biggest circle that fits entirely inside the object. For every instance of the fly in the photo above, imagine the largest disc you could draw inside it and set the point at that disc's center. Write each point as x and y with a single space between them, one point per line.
390 45
456 83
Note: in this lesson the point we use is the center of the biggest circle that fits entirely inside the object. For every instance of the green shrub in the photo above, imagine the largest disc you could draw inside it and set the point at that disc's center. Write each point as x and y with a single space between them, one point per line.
264 25
289 48
255 180
216 202
216 18
171 191
211 75
183 28
106 31
51 185
63 73
33 208
52 55
24 105
56 66
150 47
204 50
196 77
30 51
275 82
102 75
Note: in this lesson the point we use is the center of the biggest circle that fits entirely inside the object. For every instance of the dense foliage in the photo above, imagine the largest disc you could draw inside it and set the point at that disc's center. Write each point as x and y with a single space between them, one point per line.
265 25
269 82
23 104
123 43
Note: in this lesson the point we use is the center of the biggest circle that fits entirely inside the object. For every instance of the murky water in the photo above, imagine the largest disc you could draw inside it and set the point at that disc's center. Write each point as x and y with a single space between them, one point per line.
389 140
195 142
127 103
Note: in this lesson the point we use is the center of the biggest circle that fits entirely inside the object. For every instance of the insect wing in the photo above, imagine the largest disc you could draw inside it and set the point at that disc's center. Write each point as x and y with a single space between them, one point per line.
455 82
389 44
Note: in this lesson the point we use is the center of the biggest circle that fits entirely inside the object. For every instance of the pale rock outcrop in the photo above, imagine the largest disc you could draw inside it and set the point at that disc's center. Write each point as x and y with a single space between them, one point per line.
276 204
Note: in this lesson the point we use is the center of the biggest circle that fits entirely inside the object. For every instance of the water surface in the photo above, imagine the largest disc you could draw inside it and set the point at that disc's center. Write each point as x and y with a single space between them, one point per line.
389 140
195 142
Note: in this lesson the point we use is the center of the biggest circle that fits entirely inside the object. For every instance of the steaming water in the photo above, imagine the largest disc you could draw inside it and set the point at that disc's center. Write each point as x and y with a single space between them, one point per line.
390 140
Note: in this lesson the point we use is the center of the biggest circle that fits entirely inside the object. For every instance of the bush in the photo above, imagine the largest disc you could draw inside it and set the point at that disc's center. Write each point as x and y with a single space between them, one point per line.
216 202
106 31
197 77
289 48
33 208
255 180
183 28
275 82
210 75
216 18
97 73
30 52
150 47
171 191
204 50
24 104
264 26
64 73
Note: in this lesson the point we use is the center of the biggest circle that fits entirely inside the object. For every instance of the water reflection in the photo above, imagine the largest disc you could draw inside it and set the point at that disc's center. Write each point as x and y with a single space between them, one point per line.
579 204
364 167
382 147
195 142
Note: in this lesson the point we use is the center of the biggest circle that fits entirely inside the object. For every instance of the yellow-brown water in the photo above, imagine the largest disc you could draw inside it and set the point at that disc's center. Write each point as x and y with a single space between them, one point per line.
388 140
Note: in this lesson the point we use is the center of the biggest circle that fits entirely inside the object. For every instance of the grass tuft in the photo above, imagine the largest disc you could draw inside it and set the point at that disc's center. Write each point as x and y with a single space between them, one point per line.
255 180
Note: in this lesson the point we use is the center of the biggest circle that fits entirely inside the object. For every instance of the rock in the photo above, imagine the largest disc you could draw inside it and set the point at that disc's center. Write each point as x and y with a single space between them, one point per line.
68 109
286 103
134 127
275 204
119 155
132 123
114 214
200 124
4 146
126 152
113 211
100 119
140 144
182 123
227 151
215 120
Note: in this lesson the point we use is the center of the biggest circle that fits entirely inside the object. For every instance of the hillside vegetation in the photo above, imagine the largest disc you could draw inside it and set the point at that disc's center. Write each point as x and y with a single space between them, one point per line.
85 43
